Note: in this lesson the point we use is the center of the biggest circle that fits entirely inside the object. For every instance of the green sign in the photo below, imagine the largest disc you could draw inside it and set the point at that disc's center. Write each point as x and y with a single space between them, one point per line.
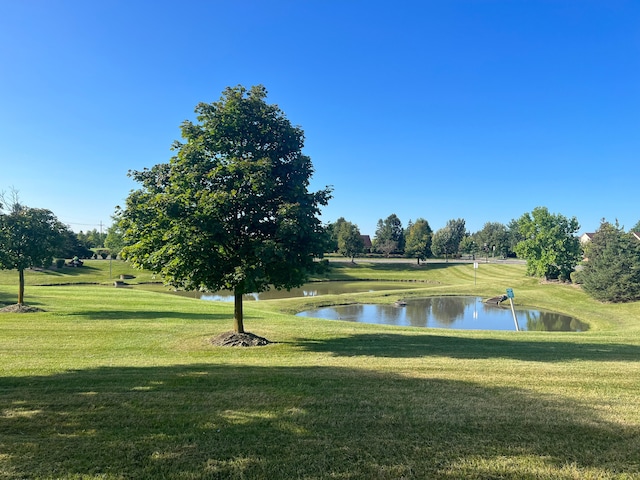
510 293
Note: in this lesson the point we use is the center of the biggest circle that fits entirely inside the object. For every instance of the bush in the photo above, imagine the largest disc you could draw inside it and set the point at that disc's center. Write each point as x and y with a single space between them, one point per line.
60 262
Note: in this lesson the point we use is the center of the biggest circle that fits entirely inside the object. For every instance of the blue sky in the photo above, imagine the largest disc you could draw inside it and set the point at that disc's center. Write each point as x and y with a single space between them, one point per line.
474 109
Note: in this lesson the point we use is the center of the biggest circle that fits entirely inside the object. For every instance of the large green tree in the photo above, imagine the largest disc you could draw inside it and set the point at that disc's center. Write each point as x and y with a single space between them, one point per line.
349 239
418 240
549 244
232 209
612 271
29 237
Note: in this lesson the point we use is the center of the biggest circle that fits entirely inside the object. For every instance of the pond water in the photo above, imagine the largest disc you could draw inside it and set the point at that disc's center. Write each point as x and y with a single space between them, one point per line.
312 289
466 313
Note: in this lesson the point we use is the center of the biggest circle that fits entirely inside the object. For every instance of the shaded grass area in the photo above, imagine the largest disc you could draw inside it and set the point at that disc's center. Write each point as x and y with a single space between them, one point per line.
297 422
113 383
521 349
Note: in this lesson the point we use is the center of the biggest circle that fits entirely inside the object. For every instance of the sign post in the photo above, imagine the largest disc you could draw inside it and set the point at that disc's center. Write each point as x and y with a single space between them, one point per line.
510 295
475 269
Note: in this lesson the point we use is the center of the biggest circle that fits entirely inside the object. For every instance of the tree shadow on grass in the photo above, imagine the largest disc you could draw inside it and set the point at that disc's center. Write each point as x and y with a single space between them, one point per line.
389 267
212 421
410 346
7 299
69 271
150 315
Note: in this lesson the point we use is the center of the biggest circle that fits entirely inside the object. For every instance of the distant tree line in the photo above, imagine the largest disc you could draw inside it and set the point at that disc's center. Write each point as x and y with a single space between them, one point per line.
418 240
608 266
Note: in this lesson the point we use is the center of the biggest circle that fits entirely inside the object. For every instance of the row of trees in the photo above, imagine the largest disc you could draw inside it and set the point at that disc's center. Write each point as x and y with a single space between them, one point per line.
547 241
419 241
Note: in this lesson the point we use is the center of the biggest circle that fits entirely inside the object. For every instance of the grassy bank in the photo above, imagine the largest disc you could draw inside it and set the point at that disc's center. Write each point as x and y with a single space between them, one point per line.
112 383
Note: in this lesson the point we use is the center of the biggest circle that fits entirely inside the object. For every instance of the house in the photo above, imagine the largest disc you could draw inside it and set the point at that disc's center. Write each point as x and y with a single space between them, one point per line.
366 241
586 237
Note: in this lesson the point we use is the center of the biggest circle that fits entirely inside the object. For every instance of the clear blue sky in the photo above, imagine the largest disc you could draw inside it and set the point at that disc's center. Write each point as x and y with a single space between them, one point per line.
474 109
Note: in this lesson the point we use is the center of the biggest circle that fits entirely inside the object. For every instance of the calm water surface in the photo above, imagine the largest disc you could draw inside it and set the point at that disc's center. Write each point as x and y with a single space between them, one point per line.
312 289
466 313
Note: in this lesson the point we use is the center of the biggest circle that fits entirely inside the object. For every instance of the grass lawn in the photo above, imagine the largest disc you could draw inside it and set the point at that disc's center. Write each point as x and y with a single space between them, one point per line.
121 383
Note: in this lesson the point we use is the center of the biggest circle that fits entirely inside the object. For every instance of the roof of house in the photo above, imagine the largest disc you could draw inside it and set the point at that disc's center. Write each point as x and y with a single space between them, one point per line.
586 237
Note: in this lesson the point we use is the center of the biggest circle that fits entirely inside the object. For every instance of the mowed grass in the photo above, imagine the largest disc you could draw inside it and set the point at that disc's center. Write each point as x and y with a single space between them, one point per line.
117 383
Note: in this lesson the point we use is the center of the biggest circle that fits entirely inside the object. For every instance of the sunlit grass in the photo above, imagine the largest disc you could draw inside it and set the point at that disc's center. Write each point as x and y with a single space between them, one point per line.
114 383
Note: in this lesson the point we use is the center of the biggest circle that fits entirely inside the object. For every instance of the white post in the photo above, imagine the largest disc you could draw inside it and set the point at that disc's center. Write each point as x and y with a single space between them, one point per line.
513 312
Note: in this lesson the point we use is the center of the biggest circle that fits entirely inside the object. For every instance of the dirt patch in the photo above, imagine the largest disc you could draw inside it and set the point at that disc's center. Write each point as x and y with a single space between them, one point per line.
233 339
17 308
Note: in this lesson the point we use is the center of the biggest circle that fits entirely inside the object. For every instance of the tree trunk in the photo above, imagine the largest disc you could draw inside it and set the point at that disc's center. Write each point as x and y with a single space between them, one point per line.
238 320
21 287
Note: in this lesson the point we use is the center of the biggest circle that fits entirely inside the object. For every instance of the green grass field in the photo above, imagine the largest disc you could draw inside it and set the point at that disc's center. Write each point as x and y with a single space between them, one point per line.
122 383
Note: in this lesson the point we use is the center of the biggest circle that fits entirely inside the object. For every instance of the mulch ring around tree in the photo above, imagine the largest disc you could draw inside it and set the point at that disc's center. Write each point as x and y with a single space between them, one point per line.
18 308
233 339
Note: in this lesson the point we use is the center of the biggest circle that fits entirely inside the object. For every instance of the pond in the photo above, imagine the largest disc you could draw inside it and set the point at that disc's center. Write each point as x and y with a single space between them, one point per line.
466 313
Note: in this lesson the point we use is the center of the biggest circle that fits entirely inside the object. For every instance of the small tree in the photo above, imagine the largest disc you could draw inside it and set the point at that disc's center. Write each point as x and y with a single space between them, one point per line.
350 243
549 244
418 240
331 230
441 243
29 237
231 210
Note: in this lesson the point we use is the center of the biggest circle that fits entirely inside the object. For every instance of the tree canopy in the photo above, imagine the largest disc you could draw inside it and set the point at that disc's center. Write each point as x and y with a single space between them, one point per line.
418 240
29 237
350 243
493 238
389 235
446 241
231 210
549 244
612 271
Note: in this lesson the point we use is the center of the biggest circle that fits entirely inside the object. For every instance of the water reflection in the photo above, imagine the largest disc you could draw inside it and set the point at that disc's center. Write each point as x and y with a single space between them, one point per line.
466 313
310 290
